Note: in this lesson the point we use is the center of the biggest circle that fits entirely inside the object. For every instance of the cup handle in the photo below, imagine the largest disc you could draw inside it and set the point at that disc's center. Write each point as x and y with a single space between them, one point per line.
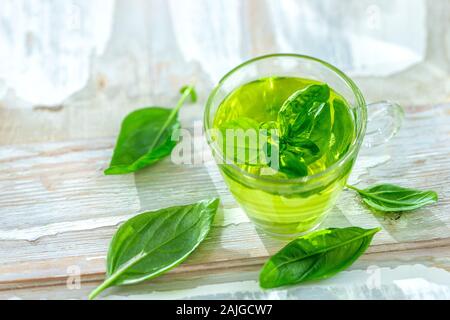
383 122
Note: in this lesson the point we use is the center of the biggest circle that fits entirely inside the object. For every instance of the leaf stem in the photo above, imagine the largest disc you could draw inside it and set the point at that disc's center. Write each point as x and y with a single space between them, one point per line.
354 188
113 277
186 93
107 283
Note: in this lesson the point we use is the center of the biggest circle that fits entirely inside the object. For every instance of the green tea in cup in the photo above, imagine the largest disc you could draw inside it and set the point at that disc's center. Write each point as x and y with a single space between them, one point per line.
285 130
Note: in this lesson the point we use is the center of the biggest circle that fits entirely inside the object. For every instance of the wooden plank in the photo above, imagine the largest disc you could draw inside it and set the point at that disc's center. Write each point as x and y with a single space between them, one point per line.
175 284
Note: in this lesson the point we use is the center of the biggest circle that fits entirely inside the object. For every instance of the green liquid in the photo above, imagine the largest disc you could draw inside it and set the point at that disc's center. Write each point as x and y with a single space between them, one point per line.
285 210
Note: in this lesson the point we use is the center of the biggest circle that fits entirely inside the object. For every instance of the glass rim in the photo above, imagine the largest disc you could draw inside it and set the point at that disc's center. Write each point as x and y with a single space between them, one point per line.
347 156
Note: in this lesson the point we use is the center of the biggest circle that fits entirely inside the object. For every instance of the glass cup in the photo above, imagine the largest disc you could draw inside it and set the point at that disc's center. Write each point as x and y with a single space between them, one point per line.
289 207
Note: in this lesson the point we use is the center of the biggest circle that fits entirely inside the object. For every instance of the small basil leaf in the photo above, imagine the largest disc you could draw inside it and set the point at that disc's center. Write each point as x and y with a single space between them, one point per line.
293 116
136 146
343 136
292 165
315 256
146 137
152 243
392 198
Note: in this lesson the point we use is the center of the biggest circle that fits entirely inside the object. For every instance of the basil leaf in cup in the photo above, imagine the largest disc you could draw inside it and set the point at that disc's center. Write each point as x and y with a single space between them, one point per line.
302 147
306 116
152 243
320 132
392 198
292 165
146 136
342 122
315 256
293 116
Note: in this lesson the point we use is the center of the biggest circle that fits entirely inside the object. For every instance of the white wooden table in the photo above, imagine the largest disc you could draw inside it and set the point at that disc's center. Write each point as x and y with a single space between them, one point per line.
58 213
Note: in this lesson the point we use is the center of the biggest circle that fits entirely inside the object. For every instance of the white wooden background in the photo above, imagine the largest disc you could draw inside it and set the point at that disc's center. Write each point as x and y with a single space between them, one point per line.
58 211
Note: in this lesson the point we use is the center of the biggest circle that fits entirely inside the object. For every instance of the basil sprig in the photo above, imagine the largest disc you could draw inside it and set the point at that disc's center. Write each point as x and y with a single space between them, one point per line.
294 117
392 198
146 136
304 129
152 243
304 122
315 256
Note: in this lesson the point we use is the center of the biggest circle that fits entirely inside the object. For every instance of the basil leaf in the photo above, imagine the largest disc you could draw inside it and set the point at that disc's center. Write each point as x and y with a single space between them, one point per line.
305 127
342 122
392 198
321 130
136 146
303 148
292 165
293 116
315 256
146 137
152 243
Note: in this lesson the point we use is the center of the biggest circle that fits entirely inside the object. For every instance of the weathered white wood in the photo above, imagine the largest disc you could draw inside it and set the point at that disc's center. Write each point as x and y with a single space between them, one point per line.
59 211
376 275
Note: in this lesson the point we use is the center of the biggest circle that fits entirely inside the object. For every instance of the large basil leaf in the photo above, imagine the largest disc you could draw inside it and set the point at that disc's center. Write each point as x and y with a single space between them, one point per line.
304 122
152 243
146 137
315 256
320 133
391 198
294 115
